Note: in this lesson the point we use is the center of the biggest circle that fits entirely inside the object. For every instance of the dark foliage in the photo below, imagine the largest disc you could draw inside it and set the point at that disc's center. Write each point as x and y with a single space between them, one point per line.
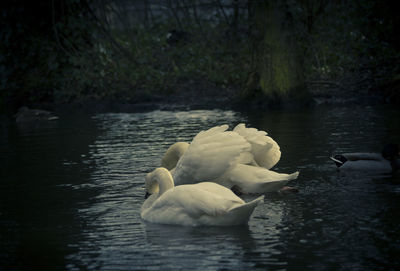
68 51
37 37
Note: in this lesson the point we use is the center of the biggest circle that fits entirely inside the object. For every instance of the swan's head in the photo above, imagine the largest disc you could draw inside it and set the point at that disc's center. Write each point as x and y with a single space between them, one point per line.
391 151
159 181
173 154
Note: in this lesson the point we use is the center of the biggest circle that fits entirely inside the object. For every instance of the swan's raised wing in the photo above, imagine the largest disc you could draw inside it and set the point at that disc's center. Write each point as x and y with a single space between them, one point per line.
210 154
265 150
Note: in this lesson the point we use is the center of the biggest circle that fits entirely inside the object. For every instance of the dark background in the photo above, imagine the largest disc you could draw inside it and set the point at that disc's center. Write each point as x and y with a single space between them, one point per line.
54 53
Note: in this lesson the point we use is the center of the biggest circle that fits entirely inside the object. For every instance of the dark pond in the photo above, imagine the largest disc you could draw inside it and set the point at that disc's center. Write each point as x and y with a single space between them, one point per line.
71 192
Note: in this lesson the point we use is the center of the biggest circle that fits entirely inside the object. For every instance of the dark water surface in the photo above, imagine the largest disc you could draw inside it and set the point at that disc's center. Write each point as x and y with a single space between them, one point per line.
71 192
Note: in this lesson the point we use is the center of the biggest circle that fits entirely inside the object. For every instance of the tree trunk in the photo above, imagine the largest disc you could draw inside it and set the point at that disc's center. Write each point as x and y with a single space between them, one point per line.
277 66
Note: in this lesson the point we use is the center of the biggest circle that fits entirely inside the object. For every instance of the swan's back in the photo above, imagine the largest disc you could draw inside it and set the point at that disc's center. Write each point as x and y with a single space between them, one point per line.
200 204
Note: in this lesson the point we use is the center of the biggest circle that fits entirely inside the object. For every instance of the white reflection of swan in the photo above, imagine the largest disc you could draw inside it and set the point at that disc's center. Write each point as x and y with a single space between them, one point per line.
169 236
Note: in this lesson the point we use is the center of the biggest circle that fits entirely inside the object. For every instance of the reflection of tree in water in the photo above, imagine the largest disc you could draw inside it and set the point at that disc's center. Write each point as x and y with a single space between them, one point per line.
336 219
339 224
46 164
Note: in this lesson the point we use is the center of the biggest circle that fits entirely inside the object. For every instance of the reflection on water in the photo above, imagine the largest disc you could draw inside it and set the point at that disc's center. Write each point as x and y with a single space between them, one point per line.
204 247
71 192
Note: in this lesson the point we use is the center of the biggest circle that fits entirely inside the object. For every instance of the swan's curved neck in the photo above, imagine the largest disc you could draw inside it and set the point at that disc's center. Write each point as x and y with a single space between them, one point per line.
173 154
163 178
165 182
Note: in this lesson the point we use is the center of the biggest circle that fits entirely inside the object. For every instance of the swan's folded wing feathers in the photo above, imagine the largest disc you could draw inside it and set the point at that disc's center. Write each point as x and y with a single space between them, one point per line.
212 131
251 174
196 201
209 155
219 190
252 179
253 135
265 150
267 155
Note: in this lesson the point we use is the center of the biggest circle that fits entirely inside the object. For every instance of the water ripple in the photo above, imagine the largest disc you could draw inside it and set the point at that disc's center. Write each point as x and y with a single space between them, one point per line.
79 204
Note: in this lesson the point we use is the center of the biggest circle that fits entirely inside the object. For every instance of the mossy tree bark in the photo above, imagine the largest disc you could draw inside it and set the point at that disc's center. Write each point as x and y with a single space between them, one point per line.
277 66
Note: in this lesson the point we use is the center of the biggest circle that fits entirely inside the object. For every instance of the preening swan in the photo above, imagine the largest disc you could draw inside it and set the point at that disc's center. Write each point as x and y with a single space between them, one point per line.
240 158
193 205
385 162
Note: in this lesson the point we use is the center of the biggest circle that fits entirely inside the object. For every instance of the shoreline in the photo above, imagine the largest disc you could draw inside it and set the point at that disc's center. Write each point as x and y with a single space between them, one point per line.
207 99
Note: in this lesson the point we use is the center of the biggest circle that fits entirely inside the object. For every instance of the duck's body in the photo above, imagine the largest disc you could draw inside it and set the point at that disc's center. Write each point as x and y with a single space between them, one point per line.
30 115
198 204
385 162
241 158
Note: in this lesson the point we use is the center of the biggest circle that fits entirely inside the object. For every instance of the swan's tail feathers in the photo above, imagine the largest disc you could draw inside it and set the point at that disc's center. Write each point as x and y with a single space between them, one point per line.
251 179
274 186
240 214
293 176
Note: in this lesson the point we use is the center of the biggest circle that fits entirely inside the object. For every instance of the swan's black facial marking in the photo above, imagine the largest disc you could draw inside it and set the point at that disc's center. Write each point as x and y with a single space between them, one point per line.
147 195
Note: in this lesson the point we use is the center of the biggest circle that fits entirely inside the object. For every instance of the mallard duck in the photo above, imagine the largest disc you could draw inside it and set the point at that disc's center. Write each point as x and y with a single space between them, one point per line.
198 204
25 114
239 159
385 162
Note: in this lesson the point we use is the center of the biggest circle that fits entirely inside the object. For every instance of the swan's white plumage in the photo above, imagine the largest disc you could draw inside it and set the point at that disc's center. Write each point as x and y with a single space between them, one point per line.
196 204
251 179
173 154
210 154
218 155
265 150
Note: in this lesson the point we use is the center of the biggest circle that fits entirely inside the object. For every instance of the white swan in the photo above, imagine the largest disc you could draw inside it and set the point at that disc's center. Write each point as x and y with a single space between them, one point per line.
238 159
193 205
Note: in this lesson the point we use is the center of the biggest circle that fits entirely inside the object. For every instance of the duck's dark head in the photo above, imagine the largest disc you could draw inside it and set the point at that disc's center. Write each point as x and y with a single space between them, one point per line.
339 160
390 151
